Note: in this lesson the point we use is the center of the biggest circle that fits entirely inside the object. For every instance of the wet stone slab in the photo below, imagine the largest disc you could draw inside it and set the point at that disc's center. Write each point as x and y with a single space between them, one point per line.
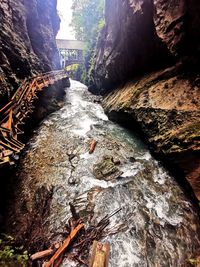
161 226
106 169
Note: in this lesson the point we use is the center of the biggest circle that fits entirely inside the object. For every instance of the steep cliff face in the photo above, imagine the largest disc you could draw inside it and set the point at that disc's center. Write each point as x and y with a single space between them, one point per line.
27 41
176 24
128 45
144 35
148 56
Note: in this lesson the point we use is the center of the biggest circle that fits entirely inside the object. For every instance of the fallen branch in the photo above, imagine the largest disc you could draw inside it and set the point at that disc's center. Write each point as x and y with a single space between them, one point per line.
80 247
92 146
93 232
66 243
59 262
45 253
42 254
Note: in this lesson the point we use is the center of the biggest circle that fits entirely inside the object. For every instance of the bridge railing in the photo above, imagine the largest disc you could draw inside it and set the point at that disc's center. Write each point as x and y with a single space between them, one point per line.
17 109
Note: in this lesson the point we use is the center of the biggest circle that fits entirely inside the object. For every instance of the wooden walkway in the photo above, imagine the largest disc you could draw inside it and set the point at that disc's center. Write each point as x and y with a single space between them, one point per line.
12 115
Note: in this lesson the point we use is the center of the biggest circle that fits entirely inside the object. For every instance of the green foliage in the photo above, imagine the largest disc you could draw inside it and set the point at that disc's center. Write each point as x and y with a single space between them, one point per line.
73 71
87 21
87 17
10 254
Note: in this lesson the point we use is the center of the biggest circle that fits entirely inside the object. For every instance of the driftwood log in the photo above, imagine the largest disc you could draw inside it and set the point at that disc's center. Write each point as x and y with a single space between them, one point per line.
92 146
79 241
66 243
42 254
99 255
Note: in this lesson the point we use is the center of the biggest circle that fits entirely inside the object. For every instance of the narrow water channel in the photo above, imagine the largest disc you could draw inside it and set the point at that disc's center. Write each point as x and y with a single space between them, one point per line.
161 227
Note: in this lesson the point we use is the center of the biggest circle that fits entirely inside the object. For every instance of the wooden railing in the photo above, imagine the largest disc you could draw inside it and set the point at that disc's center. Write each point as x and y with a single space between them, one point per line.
12 115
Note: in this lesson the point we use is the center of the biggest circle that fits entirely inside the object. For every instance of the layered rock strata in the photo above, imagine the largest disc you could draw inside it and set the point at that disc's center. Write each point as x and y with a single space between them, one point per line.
27 42
148 57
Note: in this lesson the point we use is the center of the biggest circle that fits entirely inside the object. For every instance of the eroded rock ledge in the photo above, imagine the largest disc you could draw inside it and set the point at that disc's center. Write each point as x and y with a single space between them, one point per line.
169 121
148 59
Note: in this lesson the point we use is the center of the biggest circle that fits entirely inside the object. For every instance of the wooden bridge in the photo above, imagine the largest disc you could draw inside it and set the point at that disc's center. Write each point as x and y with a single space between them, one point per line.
12 115
70 52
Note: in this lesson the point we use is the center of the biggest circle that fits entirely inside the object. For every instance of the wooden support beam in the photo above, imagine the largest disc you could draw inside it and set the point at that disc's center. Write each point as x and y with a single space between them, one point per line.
15 111
8 146
8 124
65 245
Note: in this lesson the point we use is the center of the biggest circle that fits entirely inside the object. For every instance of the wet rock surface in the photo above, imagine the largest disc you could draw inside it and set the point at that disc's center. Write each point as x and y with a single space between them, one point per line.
148 54
161 226
128 45
106 169
27 42
166 106
142 36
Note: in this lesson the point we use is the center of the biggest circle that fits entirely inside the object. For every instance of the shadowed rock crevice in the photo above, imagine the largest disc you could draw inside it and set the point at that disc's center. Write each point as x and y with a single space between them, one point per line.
148 59
129 45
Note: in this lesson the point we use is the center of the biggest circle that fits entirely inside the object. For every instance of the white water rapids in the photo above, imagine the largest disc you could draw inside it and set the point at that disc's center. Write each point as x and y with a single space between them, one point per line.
161 224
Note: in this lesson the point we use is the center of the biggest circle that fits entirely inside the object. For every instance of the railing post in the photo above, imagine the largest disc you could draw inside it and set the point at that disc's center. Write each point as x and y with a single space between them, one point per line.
18 108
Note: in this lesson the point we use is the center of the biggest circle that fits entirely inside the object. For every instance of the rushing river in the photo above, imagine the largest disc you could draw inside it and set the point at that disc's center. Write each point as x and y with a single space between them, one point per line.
161 226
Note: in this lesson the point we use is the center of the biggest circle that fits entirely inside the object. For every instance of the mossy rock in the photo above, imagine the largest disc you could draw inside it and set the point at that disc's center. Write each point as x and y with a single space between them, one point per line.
106 169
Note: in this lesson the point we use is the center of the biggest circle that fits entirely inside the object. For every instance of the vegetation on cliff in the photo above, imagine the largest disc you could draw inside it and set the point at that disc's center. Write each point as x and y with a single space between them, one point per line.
12 254
87 22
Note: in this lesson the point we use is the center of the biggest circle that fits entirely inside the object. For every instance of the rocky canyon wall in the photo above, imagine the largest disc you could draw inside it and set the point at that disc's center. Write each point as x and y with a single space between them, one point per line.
27 41
147 65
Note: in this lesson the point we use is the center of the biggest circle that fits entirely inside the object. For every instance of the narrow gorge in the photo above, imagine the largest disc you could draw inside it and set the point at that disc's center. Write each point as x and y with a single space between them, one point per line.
122 149
148 56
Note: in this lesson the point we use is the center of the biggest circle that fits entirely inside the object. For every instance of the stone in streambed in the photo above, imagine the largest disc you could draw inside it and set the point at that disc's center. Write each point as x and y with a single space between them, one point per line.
106 169
132 159
73 180
150 77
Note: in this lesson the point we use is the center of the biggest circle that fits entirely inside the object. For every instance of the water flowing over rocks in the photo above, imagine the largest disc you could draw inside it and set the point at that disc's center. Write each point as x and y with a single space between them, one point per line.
160 223
148 56
166 108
